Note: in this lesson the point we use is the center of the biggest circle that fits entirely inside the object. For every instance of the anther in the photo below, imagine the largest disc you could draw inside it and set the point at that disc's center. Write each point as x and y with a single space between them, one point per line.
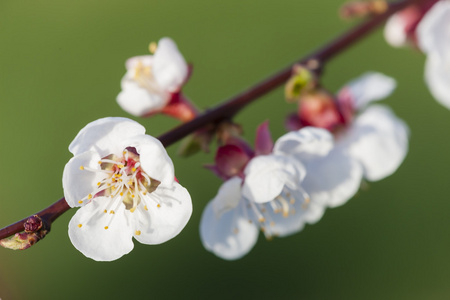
105 211
145 207
159 205
133 209
106 227
80 201
152 47
81 168
112 212
79 225
90 196
137 232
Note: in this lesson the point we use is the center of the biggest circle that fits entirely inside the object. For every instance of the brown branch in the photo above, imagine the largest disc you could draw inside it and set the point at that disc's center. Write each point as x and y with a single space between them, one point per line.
230 107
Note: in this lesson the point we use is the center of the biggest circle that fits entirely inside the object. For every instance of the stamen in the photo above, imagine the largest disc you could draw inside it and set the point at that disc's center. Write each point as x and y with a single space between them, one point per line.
152 47
80 201
137 232
259 216
106 227
81 168
284 206
79 225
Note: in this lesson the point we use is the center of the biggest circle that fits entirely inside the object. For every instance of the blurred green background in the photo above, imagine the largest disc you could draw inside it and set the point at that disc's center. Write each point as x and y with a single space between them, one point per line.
60 67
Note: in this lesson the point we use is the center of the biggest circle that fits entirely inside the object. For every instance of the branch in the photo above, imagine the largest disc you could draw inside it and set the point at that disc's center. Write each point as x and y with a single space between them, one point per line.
230 107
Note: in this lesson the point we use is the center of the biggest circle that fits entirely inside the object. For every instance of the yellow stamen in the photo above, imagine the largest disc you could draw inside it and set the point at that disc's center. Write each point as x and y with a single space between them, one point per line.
159 205
145 207
90 196
133 169
105 211
106 227
81 201
133 209
81 168
137 232
79 225
152 47
112 212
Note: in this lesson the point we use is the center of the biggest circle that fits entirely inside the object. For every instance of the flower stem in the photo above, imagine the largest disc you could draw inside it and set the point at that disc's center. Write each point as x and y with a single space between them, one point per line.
229 108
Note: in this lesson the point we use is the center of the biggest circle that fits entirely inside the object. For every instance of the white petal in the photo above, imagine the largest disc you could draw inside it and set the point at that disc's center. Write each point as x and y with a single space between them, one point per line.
77 183
105 136
334 179
92 239
228 197
378 140
437 76
266 175
306 144
160 224
229 234
169 67
139 102
154 158
369 87
433 31
394 31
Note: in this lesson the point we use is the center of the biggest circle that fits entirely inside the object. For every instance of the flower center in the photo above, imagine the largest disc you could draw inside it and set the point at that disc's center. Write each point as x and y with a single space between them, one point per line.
272 216
123 179
143 75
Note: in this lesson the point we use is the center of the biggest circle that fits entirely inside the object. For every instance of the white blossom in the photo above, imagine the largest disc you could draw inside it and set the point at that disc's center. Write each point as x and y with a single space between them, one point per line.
269 197
151 80
123 180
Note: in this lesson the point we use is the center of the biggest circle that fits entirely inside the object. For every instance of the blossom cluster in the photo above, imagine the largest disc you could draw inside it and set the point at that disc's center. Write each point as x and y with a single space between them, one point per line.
278 188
